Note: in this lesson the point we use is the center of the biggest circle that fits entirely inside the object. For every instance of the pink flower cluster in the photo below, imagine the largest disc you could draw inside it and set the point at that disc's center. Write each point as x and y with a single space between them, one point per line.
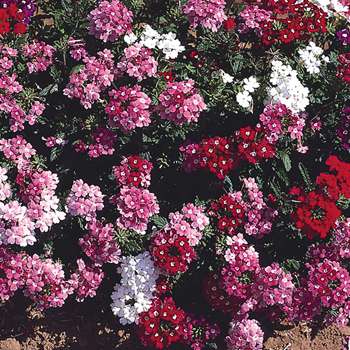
198 332
7 54
259 215
134 171
243 266
253 18
273 287
43 280
84 200
100 244
96 74
110 20
173 246
18 222
207 13
329 282
102 144
136 206
86 280
190 222
278 120
128 108
180 102
10 87
18 151
40 55
137 62
245 334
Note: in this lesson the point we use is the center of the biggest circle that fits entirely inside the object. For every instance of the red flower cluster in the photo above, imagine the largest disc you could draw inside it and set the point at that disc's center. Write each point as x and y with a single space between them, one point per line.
214 154
344 67
292 20
172 253
162 325
11 20
216 295
134 171
252 144
318 210
229 213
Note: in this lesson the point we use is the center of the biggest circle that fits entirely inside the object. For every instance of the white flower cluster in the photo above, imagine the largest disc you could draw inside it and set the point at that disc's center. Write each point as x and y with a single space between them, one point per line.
286 88
331 6
312 58
167 43
244 98
226 78
134 294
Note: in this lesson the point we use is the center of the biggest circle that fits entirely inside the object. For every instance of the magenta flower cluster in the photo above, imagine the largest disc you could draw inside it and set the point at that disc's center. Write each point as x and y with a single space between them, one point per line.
40 55
110 20
136 206
96 74
10 103
180 102
100 244
128 108
207 13
137 62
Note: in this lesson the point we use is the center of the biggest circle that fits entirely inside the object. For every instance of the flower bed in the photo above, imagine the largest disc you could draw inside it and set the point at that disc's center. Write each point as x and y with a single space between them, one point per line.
185 163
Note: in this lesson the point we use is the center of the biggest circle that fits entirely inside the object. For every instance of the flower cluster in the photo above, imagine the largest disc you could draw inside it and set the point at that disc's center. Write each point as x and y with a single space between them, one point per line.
128 108
162 325
137 62
287 88
253 17
343 129
136 206
84 200
214 154
100 244
293 22
12 18
318 210
134 171
244 98
150 38
180 102
245 334
110 20
312 58
207 13
40 55
94 76
344 67
135 292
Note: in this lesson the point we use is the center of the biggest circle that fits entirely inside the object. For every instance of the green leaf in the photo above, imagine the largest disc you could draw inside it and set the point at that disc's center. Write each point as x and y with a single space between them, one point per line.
159 221
286 161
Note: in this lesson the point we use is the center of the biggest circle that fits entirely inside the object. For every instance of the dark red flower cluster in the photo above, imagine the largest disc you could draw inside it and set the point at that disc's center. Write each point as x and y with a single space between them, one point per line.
172 253
12 20
134 171
344 67
318 210
216 295
162 325
292 20
252 144
228 212
214 154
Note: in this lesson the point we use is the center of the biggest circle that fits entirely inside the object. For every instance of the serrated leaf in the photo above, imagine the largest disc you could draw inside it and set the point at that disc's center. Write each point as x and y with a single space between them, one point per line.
159 221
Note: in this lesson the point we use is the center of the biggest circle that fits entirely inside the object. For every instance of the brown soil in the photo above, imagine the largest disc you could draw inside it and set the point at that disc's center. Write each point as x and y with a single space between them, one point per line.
302 337
88 326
